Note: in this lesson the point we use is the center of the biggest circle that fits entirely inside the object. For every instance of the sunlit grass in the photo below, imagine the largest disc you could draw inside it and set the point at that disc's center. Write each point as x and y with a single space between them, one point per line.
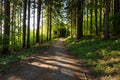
102 55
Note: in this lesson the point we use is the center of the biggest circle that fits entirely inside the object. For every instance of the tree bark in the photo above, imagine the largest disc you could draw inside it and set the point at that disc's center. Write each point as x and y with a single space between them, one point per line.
24 23
116 11
38 22
91 17
6 38
50 36
100 22
28 32
96 17
107 10
80 20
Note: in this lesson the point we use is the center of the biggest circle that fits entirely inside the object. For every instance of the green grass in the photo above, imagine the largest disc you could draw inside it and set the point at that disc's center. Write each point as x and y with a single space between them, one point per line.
102 55
5 60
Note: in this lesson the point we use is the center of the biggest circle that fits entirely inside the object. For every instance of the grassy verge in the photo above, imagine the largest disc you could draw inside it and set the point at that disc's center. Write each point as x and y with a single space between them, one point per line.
102 56
5 60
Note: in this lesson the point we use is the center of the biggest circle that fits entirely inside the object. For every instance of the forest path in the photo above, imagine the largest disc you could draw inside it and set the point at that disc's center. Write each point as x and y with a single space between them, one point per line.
55 63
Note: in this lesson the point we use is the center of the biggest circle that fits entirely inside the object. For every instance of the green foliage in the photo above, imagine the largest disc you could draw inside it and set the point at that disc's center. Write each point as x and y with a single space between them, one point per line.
61 32
102 56
115 29
6 60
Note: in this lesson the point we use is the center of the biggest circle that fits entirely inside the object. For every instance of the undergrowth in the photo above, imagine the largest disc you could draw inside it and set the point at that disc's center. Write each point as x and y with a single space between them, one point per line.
102 55
6 60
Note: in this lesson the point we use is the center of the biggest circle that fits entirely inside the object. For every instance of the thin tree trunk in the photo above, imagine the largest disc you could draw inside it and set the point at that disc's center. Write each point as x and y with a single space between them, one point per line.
100 16
24 23
34 23
1 14
96 17
28 32
91 17
71 24
50 36
87 20
42 27
21 26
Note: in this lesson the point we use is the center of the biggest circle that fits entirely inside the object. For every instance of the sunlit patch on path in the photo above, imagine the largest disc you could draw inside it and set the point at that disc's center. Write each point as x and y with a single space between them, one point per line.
55 63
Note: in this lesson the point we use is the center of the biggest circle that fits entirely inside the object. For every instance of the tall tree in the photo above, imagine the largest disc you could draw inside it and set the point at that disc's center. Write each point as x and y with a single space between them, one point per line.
96 24
100 21
42 25
38 21
107 10
24 23
34 7
1 25
28 32
116 13
91 17
50 36
80 19
6 38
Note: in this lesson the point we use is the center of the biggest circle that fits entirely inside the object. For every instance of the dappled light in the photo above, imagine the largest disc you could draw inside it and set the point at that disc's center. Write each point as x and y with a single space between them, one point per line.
59 39
54 63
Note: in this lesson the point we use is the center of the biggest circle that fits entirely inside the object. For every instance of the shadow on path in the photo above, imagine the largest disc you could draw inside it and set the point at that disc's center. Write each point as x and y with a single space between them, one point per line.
55 63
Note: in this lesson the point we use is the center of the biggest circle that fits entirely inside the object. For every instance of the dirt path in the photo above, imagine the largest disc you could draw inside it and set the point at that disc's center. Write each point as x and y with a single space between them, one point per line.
55 63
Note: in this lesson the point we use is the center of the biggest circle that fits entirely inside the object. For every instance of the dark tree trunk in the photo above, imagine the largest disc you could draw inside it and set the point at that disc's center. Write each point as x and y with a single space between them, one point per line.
116 12
21 26
87 20
24 23
48 22
50 35
34 22
42 27
96 17
1 14
28 32
6 38
71 27
91 17
48 25
107 10
38 21
80 19
100 22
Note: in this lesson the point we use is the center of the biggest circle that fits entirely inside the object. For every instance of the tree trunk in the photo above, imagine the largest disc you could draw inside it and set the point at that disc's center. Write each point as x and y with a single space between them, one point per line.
34 22
24 23
6 38
107 10
96 17
50 36
38 22
28 32
116 11
80 20
87 20
100 22
91 17
42 27
1 14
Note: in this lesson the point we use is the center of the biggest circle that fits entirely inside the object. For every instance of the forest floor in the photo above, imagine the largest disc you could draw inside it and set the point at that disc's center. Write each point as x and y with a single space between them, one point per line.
54 63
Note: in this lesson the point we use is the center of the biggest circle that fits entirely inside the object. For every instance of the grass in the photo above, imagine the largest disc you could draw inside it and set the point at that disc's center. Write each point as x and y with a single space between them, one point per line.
102 55
5 60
